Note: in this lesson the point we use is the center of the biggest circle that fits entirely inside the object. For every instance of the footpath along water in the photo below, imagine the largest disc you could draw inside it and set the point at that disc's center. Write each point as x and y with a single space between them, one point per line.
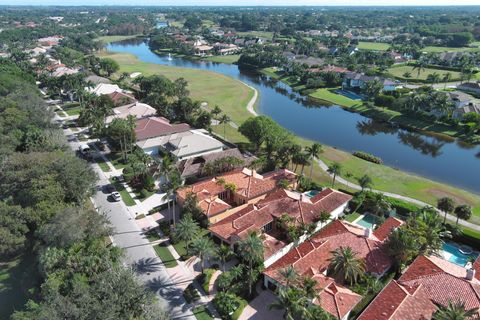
447 161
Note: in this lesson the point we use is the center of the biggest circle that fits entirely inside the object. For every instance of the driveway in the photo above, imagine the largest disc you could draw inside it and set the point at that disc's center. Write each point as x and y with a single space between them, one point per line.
258 308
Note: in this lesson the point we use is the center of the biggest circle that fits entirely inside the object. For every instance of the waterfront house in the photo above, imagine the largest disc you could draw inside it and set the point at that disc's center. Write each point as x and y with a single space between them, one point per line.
104 88
357 81
137 109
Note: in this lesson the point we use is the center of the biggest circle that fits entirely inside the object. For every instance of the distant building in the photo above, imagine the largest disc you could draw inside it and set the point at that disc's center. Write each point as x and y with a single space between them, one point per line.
355 80
104 88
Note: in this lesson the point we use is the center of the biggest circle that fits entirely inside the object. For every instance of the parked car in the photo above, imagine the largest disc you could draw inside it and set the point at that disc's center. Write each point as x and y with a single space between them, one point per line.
110 188
115 196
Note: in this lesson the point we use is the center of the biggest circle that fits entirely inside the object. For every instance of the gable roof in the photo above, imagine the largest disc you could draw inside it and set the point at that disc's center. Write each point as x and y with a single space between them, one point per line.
192 144
382 232
104 88
120 98
427 282
157 126
137 109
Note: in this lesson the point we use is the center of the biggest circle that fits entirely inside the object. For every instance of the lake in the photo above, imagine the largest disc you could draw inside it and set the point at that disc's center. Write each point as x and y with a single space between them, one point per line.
433 157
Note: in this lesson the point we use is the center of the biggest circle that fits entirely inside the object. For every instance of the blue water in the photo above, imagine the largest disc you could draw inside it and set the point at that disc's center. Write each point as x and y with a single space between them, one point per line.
349 94
456 256
312 193
367 221
441 160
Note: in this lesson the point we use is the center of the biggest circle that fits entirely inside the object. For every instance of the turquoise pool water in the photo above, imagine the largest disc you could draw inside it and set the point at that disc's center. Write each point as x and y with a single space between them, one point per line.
367 221
452 254
311 193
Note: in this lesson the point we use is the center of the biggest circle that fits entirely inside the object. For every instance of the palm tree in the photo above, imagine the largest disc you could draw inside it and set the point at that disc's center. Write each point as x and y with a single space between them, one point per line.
401 246
313 152
203 248
292 301
455 311
446 205
289 274
224 119
324 217
334 169
187 230
346 266
365 182
419 65
309 287
251 250
463 212
407 75
446 78
216 111
433 78
224 253
168 190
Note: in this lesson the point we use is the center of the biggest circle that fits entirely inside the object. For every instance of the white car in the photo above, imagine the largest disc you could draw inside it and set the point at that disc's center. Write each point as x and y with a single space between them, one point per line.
115 196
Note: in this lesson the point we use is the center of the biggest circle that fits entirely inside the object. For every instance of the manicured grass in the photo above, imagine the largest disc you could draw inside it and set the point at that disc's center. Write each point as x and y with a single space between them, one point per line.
139 196
204 279
152 235
377 46
102 164
352 217
398 72
126 197
242 304
116 160
180 246
330 96
230 59
166 256
19 278
450 49
229 94
262 34
202 313
108 39
73 111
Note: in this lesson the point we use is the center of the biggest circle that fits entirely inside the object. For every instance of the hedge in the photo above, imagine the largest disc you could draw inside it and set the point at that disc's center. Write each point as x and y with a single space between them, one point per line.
368 157
191 294
204 279
402 208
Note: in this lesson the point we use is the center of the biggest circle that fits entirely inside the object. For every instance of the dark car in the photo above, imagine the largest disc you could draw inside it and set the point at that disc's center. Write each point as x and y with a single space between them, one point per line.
110 188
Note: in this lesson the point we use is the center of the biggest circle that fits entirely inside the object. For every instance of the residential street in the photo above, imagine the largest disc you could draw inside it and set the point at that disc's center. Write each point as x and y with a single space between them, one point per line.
139 254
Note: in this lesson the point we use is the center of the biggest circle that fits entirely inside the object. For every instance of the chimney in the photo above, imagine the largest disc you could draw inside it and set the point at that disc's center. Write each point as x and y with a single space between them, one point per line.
368 233
470 274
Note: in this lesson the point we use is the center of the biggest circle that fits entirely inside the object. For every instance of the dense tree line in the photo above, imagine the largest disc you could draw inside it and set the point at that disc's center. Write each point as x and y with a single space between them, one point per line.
44 192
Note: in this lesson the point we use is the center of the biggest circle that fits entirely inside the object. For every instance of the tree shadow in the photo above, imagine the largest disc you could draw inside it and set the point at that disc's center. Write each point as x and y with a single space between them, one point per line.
146 265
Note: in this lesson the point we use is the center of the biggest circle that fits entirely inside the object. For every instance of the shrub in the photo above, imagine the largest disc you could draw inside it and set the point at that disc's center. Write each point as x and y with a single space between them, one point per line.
149 183
140 216
127 173
191 294
144 193
204 279
367 157
164 227
226 304
401 207
384 100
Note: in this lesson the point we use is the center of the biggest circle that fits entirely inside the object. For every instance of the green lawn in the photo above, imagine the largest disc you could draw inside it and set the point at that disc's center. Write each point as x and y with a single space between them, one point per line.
108 39
450 49
126 197
73 111
328 95
261 34
230 59
102 164
202 313
398 72
229 94
152 235
352 217
166 256
180 246
377 46
116 160
19 278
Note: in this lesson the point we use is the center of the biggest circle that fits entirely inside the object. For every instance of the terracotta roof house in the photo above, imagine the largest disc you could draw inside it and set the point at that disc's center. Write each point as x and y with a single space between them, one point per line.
427 283
153 127
250 187
312 258
137 109
263 216
193 167
121 98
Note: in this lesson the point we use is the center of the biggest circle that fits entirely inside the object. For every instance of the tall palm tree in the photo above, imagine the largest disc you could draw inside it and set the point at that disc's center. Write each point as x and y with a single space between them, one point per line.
455 311
365 182
168 190
203 248
216 111
401 246
292 301
446 78
251 250
346 265
187 230
420 66
313 152
446 205
463 212
224 119
334 169
289 274
224 253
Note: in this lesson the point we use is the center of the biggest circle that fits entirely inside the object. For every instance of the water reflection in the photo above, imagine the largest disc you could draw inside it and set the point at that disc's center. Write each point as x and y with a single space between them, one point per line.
371 127
421 143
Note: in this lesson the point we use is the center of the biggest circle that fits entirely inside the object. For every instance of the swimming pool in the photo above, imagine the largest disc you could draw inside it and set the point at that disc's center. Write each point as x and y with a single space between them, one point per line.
312 193
452 254
349 94
367 221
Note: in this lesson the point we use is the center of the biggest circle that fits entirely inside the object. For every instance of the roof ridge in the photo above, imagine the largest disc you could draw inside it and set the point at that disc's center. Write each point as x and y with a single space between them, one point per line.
407 294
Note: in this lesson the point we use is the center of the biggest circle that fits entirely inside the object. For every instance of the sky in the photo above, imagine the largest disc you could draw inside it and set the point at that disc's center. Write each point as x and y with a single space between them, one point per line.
246 2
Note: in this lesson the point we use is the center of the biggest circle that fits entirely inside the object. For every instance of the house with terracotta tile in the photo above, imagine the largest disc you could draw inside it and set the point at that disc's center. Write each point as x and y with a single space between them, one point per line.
233 189
121 98
312 259
263 218
427 283
137 109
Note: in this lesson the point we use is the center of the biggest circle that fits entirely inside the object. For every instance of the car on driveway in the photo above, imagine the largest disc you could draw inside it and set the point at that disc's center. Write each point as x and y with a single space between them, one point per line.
110 188
115 196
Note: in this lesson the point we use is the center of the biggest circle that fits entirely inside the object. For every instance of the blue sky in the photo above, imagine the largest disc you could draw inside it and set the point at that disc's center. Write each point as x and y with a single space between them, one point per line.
242 2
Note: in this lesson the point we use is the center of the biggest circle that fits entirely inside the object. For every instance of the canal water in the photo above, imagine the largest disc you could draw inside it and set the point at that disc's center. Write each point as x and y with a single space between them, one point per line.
444 160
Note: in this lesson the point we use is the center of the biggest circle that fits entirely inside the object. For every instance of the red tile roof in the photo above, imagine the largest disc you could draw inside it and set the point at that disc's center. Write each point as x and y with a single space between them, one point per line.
156 127
382 232
249 184
121 98
428 281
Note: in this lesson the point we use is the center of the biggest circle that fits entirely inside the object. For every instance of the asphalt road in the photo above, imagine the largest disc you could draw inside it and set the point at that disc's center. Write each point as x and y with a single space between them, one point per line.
139 254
